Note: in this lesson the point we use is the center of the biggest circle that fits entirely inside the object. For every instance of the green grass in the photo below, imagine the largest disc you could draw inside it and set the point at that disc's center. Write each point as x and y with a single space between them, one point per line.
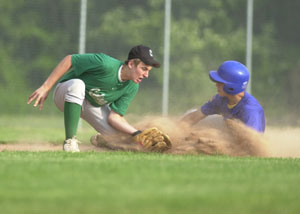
124 182
39 128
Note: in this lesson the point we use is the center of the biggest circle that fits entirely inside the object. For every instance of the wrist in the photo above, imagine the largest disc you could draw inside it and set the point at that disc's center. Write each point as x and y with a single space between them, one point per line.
136 133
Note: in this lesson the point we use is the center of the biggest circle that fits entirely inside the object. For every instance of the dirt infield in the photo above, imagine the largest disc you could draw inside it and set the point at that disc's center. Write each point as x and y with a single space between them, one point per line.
36 147
211 136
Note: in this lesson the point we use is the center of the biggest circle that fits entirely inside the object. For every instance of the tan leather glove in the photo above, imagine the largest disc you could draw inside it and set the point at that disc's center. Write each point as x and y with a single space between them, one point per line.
153 139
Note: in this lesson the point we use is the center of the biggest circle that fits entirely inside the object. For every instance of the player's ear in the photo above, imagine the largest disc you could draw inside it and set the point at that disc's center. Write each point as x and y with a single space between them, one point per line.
131 63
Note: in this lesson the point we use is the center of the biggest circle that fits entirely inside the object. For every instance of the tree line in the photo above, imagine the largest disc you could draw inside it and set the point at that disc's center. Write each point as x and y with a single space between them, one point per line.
35 35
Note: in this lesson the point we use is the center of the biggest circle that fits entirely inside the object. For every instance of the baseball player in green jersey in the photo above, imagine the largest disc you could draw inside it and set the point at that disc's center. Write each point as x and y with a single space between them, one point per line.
97 88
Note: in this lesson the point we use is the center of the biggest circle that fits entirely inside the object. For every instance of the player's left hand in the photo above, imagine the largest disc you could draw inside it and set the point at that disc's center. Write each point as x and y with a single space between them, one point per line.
153 139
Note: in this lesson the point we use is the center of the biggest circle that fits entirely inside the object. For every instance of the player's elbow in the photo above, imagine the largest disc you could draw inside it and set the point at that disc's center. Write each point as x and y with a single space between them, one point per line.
68 58
192 116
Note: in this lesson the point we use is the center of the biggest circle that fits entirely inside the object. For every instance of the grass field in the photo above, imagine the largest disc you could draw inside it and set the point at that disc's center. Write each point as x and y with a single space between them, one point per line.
122 182
125 182
36 129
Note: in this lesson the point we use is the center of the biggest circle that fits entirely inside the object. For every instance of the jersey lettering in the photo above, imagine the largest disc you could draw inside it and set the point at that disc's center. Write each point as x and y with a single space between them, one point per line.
98 96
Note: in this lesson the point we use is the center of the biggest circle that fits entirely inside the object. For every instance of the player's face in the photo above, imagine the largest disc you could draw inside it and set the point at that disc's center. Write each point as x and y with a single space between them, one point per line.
140 72
220 89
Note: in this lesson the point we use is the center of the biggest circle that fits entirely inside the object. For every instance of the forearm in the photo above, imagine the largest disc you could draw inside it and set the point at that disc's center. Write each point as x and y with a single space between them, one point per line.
118 122
41 94
63 66
193 117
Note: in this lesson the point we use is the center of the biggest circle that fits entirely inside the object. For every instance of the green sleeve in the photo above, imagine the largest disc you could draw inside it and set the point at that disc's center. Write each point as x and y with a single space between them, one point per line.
86 62
121 105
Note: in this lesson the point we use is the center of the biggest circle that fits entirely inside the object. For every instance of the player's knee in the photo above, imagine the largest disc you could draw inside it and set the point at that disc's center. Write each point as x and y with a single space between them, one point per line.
76 92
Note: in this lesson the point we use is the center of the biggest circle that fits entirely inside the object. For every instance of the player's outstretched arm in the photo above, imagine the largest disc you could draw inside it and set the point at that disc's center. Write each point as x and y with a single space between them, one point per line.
151 139
41 94
192 117
119 122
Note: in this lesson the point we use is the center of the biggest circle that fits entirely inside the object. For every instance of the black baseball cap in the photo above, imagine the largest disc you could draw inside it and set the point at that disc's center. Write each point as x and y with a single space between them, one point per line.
143 53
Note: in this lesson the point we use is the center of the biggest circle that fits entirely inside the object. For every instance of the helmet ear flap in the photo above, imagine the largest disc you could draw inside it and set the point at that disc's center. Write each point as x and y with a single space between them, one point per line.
231 88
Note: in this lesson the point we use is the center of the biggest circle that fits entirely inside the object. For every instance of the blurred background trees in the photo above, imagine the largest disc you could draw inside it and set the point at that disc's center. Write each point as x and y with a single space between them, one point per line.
36 35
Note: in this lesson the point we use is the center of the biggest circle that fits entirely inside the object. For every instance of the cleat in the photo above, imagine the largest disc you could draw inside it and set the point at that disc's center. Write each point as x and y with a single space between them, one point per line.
71 145
98 141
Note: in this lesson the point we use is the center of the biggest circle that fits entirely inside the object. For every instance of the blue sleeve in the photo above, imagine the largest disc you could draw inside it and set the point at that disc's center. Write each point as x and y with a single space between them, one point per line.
212 106
255 119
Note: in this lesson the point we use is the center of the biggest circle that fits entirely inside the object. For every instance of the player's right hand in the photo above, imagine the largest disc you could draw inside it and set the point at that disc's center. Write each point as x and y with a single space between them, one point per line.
40 95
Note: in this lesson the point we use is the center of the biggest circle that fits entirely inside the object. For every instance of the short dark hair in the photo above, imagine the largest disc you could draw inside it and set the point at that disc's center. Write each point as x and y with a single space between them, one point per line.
135 61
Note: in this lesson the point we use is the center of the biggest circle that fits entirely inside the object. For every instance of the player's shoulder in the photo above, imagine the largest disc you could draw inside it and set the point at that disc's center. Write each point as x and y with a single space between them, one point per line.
100 57
105 58
217 98
251 103
107 62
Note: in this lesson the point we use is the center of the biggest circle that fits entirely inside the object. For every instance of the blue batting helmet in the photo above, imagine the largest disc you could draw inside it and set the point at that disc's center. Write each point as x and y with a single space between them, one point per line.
233 74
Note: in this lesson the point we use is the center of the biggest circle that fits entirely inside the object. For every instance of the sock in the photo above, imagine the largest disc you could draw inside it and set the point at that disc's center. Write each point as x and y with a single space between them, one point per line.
71 117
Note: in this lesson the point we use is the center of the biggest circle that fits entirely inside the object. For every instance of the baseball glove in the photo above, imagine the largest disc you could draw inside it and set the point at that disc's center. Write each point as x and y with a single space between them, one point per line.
153 139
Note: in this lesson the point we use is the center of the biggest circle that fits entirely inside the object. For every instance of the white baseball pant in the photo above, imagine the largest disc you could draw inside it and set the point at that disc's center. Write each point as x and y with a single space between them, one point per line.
73 91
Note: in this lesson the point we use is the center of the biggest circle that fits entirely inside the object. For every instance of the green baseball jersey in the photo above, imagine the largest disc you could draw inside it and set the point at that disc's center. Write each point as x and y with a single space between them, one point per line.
100 73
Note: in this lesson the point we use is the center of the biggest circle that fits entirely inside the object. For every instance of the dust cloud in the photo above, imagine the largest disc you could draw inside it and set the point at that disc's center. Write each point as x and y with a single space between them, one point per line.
211 136
214 136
